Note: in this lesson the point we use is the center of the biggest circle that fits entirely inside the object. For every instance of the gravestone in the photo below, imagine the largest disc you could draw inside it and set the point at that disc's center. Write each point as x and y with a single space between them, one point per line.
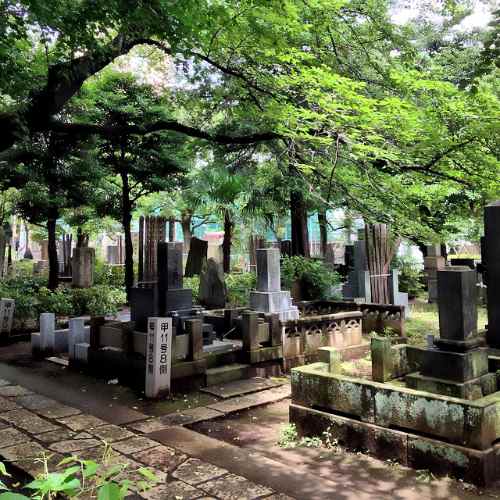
113 254
77 333
167 293
7 307
197 255
47 329
458 364
212 292
269 297
358 279
215 252
83 267
286 248
158 357
395 296
491 263
433 262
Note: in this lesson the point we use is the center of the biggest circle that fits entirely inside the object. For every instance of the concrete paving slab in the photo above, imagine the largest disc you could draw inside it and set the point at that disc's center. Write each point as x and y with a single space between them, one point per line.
11 391
81 422
194 471
111 433
147 426
58 411
73 445
10 437
35 401
186 417
60 434
173 491
161 457
241 387
8 405
233 405
28 421
24 451
133 445
233 487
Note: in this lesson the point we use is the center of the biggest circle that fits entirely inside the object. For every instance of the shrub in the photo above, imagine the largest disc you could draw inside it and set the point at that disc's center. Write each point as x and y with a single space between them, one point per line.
193 282
238 288
57 301
316 279
109 275
98 300
410 275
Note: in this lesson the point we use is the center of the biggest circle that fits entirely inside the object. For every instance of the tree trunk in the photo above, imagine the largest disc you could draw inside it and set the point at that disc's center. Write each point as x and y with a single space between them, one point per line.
3 242
323 231
300 233
127 222
227 242
187 234
52 250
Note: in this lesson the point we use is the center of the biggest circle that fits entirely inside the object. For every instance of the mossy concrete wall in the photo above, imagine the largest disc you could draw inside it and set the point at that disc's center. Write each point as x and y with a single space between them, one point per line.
475 424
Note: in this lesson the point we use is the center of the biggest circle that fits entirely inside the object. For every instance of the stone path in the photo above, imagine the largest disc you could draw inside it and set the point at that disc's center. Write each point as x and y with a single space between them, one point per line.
32 425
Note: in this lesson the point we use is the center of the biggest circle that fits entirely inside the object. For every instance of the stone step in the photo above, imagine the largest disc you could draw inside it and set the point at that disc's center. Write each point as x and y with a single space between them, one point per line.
227 373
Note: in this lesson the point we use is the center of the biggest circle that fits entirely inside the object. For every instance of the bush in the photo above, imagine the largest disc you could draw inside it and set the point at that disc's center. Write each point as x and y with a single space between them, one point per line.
193 282
57 301
410 275
109 275
316 279
98 300
238 288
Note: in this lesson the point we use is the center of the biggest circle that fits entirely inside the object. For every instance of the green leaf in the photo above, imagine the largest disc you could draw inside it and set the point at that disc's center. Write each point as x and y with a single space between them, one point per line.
3 470
148 474
109 491
12 496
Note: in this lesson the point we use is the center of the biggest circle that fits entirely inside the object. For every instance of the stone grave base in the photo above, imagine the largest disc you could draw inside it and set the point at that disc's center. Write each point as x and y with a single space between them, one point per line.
481 467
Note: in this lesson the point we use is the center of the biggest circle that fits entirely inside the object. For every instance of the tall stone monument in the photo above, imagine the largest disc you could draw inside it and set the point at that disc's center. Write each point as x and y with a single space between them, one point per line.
269 297
83 266
491 263
433 263
457 364
164 295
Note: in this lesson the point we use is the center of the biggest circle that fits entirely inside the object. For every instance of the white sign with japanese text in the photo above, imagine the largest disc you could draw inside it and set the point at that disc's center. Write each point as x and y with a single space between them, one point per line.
158 356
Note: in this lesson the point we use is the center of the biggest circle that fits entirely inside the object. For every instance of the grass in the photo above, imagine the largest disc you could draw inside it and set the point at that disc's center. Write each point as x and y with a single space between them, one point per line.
424 320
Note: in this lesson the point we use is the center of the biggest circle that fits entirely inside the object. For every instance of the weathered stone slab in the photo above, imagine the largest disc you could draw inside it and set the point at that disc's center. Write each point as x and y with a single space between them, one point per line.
111 433
10 437
241 387
10 391
147 426
81 422
28 421
25 451
37 467
192 416
61 434
232 405
194 472
35 401
172 491
58 411
72 445
133 445
8 405
162 457
232 487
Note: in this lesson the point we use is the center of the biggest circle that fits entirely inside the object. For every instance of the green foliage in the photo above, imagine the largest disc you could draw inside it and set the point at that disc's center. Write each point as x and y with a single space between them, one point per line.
106 274
239 286
106 479
410 275
57 301
315 278
193 283
97 300
289 438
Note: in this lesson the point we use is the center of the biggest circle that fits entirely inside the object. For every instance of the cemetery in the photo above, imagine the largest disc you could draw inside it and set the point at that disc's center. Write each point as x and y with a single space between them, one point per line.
249 250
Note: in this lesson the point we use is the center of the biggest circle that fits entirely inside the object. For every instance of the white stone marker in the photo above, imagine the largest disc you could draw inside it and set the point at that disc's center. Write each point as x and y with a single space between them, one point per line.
47 330
76 335
6 316
158 356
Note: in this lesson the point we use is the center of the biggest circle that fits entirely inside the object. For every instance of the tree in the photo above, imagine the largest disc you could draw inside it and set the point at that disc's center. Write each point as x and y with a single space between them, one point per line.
136 165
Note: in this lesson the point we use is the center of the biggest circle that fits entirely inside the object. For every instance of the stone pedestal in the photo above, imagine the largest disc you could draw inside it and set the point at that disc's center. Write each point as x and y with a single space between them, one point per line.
269 298
83 266
7 307
491 262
